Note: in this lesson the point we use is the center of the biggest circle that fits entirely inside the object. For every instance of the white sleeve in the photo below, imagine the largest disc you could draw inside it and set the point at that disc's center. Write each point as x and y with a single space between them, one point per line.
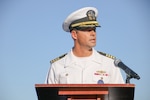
50 78
117 76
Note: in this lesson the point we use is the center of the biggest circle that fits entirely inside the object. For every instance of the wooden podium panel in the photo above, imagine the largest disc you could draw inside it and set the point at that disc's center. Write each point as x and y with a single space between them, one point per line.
85 91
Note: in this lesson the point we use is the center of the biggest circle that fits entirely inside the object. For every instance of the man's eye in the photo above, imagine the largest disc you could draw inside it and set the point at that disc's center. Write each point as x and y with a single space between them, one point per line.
91 30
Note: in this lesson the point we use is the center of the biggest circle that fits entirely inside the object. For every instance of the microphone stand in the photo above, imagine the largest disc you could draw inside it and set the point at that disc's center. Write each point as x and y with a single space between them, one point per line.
128 79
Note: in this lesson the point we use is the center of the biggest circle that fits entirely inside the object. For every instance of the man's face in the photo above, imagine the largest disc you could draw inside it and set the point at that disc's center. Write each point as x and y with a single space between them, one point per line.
86 37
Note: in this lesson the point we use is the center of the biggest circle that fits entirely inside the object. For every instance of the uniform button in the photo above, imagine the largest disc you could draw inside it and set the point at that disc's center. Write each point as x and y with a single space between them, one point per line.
66 74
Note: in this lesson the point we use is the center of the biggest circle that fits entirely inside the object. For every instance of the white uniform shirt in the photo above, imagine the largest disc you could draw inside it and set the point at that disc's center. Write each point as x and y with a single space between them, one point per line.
84 70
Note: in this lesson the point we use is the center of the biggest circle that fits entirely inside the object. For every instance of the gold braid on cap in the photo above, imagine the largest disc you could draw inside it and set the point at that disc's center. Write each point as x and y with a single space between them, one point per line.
82 24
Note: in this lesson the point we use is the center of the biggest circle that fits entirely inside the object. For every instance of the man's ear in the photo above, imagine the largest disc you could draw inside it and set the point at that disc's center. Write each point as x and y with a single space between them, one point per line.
74 34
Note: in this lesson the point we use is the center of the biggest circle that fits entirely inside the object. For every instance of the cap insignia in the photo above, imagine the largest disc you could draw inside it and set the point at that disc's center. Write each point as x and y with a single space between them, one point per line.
91 15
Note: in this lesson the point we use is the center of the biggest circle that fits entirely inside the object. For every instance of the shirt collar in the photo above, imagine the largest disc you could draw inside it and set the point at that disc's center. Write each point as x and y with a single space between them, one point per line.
70 58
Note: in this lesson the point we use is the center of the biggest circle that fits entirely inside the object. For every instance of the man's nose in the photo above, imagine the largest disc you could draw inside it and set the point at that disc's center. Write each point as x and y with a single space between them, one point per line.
92 33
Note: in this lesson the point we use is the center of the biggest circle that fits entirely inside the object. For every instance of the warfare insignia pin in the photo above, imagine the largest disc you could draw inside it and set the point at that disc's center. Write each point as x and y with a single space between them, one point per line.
101 73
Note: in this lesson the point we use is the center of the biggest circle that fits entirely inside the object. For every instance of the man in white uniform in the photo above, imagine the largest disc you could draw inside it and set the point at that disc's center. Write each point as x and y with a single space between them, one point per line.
83 64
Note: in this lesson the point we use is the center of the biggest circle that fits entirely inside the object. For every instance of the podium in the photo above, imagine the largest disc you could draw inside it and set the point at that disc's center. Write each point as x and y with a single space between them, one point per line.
85 91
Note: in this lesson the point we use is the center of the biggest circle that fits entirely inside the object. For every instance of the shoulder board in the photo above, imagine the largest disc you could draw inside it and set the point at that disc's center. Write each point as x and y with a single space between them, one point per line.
58 58
107 55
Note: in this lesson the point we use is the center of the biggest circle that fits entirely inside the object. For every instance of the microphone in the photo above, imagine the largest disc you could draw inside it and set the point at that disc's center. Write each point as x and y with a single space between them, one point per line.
128 71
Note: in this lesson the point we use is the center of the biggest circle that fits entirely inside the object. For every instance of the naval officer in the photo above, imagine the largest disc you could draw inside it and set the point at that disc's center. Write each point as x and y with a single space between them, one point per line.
83 64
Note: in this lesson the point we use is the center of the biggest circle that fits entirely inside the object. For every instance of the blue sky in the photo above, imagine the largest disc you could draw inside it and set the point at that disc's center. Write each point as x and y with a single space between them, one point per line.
31 35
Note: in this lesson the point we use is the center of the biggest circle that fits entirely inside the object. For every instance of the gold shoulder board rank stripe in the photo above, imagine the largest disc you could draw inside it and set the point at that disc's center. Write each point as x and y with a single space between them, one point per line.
107 55
58 58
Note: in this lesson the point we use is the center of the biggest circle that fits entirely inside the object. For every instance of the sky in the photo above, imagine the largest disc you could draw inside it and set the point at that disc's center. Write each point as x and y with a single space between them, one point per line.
31 35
